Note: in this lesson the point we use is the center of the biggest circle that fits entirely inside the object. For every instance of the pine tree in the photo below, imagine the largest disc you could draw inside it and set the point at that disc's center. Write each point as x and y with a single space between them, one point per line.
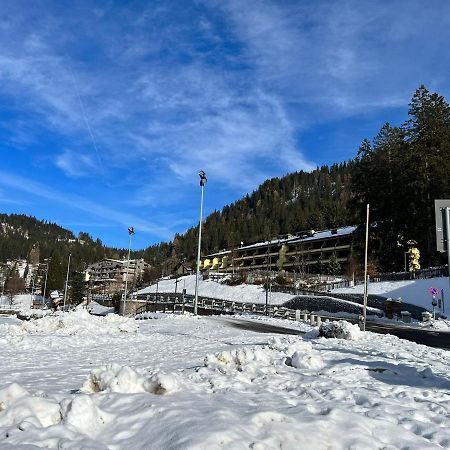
77 288
56 275
334 267
428 135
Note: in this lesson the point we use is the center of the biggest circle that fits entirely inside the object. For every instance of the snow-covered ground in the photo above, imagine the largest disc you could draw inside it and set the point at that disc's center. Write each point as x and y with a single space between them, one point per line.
75 381
246 293
21 301
410 291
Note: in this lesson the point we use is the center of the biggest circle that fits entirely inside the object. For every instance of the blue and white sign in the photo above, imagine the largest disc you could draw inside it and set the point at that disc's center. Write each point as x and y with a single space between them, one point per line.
433 291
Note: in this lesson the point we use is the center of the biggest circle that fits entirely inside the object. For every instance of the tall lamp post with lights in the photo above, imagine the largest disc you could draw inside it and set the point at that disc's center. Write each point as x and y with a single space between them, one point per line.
203 181
66 286
130 233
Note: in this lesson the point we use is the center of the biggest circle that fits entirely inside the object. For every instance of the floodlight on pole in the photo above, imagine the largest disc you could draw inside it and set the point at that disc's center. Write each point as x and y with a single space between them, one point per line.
203 181
365 272
45 284
130 233
67 283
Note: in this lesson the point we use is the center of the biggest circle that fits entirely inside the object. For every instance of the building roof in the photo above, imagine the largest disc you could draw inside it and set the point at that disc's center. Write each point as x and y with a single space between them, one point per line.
318 235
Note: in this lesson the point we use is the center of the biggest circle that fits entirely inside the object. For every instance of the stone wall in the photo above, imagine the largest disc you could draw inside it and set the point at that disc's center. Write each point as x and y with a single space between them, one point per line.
131 306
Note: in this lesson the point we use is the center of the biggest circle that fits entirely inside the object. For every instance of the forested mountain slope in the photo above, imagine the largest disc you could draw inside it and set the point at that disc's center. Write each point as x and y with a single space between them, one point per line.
399 173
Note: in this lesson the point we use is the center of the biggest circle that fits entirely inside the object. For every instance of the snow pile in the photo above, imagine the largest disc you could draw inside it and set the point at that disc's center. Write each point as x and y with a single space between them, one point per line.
19 408
340 330
242 359
96 308
301 361
49 423
33 313
438 324
84 415
125 380
249 364
78 322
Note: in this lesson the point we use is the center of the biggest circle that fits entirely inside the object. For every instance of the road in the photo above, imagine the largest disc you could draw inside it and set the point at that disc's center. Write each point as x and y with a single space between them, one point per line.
260 327
438 339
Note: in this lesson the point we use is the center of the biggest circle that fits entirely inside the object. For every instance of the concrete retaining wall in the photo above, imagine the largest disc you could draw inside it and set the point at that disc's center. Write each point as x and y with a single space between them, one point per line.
131 306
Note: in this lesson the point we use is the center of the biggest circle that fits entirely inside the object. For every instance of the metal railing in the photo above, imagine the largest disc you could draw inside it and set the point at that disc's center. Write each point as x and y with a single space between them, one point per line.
171 303
432 272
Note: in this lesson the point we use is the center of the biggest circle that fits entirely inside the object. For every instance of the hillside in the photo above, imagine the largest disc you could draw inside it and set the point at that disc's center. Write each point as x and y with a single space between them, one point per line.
300 200
25 237
399 173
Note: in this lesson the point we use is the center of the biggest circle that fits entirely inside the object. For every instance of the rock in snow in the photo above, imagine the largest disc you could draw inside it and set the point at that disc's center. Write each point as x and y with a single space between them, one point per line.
340 330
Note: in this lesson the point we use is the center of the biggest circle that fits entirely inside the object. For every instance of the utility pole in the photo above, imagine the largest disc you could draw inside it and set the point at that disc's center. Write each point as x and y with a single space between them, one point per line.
365 271
130 233
67 283
203 181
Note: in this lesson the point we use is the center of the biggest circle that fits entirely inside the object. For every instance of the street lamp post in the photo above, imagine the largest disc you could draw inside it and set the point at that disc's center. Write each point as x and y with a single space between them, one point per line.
203 181
365 272
267 277
45 285
67 283
32 292
130 233
3 281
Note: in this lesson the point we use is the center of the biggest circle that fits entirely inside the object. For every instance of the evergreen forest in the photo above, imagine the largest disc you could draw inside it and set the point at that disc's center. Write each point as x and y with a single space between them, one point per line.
399 172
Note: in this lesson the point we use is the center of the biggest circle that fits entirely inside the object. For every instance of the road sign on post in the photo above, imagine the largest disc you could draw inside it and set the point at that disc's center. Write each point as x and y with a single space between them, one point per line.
433 291
440 211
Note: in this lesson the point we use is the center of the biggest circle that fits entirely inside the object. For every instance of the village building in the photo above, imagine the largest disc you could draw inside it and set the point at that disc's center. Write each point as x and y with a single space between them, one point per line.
307 251
109 275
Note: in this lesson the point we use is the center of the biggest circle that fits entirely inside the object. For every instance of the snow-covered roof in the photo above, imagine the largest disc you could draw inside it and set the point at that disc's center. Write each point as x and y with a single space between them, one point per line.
343 231
318 235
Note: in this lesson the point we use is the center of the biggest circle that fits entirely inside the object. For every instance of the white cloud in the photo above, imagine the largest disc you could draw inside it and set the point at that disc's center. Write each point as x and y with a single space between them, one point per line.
76 165
88 206
344 57
159 103
180 115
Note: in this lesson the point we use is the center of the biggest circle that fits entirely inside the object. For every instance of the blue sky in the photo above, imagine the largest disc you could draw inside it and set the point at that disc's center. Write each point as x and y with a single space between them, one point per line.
108 109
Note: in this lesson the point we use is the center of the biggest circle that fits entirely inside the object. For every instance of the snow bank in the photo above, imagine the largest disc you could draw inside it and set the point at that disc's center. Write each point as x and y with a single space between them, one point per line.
410 291
125 380
244 293
19 302
78 322
340 330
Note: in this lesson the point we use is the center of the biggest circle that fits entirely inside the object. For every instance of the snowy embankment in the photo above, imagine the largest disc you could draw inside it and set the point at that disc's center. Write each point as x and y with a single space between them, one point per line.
18 302
410 291
249 293
183 382
245 293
